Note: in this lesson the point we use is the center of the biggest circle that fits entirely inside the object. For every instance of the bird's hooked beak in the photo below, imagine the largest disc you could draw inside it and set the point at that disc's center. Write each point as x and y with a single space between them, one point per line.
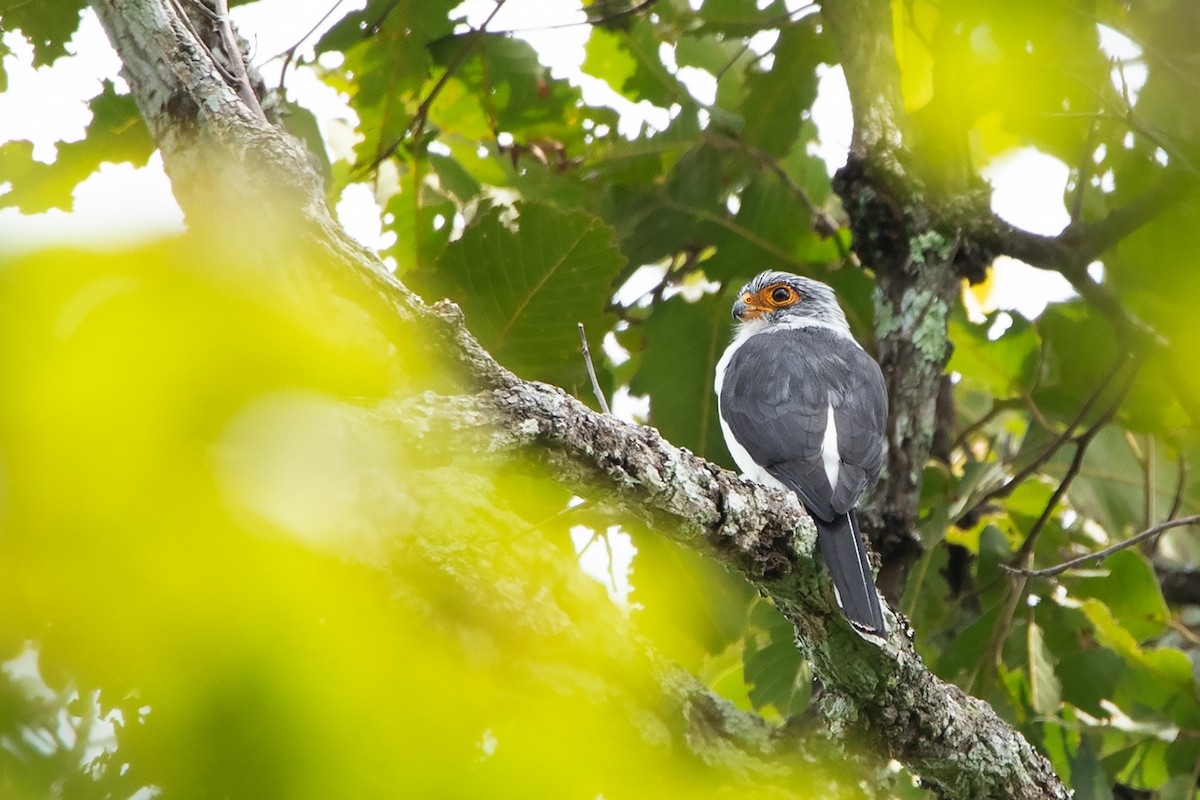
744 311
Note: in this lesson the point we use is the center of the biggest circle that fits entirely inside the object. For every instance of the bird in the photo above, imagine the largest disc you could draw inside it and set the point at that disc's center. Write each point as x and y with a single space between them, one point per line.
804 407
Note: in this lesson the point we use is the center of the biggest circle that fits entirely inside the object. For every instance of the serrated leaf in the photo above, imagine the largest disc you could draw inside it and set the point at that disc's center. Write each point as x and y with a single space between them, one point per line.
525 283
684 341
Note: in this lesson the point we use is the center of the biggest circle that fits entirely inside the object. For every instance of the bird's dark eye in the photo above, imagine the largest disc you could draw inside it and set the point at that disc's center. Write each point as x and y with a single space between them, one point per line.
782 294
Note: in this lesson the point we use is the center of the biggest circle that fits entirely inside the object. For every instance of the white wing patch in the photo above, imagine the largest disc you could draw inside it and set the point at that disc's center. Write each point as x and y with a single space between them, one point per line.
829 452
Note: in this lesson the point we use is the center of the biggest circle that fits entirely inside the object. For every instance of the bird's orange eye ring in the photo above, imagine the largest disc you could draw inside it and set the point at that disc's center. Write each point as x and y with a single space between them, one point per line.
781 295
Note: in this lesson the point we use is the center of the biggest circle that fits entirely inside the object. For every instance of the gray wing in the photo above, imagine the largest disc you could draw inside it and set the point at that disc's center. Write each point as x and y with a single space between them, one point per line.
776 396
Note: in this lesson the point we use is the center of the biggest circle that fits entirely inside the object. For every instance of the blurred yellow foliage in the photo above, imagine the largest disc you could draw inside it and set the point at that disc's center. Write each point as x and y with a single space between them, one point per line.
203 517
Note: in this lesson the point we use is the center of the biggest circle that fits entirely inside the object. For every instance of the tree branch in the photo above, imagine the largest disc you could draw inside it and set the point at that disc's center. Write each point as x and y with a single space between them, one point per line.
1100 555
955 742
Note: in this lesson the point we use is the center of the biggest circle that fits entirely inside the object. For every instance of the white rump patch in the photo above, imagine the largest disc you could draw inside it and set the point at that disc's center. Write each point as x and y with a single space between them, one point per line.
829 451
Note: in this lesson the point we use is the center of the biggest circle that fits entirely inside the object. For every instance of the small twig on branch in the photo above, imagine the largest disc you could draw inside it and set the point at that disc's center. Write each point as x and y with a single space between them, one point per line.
587 359
1180 486
1108 551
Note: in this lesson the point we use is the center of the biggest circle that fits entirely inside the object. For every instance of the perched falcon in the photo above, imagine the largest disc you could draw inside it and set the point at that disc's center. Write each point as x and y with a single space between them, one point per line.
804 407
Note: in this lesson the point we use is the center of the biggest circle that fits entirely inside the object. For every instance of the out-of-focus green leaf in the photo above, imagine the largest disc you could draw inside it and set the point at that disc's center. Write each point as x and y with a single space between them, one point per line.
115 134
1110 487
48 25
773 667
690 605
1143 766
525 276
422 219
1002 366
628 60
1079 353
511 89
1088 778
683 343
739 17
1089 676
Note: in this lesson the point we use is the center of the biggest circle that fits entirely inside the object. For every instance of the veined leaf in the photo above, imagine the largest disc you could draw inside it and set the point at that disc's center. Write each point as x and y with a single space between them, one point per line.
683 343
525 276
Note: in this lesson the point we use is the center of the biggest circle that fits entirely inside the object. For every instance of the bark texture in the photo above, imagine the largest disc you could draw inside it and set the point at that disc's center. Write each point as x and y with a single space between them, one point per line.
218 152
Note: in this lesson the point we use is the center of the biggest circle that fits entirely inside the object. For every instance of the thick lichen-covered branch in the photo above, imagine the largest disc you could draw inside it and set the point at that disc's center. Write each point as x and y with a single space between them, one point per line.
885 694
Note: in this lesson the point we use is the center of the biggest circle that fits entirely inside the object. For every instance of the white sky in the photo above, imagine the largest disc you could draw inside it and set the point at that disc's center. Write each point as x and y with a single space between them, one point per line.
120 204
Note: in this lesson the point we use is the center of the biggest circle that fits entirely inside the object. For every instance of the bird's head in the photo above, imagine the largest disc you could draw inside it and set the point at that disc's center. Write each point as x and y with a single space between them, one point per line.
775 298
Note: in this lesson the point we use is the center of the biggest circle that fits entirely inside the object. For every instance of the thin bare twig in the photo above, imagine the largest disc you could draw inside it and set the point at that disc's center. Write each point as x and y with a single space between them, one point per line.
587 359
1108 551
290 53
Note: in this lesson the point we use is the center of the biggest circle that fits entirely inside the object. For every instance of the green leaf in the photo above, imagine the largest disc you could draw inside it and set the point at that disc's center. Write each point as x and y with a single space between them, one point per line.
1045 690
1003 366
774 668
115 134
1126 583
738 17
1079 352
1088 677
518 93
525 276
422 219
775 100
47 24
387 64
627 59
770 230
1111 485
683 343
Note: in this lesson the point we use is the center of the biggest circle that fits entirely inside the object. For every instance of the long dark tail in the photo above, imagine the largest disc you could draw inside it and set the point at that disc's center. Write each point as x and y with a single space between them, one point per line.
846 557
